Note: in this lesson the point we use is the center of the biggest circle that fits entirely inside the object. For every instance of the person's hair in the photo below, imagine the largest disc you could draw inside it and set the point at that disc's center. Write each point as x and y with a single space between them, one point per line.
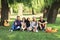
18 16
41 16
33 18
24 19
28 18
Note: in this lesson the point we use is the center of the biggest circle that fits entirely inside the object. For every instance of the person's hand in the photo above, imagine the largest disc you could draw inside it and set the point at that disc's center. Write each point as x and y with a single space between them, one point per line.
40 27
15 23
46 22
39 22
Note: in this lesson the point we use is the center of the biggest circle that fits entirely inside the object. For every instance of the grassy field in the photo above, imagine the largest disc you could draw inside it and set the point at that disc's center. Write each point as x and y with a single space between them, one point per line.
19 35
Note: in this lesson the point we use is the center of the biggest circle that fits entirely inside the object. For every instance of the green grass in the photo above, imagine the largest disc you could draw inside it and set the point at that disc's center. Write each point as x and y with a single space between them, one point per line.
19 35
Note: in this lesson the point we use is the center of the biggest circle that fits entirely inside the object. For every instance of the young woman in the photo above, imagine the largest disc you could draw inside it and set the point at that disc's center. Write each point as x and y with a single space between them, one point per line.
42 23
34 24
6 23
28 24
23 23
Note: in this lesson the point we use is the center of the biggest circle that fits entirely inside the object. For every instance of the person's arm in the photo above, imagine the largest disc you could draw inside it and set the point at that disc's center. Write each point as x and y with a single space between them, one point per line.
15 23
44 22
37 24
31 24
40 23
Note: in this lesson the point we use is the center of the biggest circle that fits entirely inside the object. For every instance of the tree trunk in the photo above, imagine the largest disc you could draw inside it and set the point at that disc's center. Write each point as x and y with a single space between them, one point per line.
53 11
45 14
20 10
4 11
52 15
33 11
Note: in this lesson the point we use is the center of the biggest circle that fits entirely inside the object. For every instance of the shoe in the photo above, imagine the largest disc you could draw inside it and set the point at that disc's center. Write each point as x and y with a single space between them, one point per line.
11 30
36 30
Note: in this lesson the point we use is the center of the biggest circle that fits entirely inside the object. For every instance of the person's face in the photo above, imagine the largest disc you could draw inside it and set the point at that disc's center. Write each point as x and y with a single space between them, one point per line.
28 19
41 18
18 18
23 19
34 19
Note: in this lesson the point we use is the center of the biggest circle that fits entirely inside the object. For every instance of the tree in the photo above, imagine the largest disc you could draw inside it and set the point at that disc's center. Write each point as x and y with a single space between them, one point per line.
4 11
47 7
45 12
53 11
20 10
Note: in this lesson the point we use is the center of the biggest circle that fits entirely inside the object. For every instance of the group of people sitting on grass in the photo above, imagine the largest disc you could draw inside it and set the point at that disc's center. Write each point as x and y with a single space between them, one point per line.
28 24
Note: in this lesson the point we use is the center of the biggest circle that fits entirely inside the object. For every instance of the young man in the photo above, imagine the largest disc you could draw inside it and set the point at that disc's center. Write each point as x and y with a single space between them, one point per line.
17 24
42 23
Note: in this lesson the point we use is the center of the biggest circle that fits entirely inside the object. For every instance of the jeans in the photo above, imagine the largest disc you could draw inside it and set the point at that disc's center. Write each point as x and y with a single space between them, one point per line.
15 27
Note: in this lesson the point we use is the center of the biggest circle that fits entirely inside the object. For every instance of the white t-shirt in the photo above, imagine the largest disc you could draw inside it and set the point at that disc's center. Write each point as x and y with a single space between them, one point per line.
34 24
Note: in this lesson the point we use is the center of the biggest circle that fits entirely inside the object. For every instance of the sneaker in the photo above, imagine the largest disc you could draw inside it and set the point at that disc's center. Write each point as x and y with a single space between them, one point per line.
36 30
11 30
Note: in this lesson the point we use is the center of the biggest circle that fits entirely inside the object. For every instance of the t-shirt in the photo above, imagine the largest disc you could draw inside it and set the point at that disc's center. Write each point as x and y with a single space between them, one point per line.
27 23
42 21
34 24
18 22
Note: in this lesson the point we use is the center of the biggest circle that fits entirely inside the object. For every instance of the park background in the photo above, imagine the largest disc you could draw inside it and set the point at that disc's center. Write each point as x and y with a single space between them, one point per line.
49 9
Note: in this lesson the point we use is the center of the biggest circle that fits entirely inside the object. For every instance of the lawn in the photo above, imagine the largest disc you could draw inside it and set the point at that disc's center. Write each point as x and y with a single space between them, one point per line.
19 35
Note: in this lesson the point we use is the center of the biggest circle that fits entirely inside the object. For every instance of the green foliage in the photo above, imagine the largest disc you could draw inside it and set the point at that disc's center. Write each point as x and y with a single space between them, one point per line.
11 1
15 8
37 5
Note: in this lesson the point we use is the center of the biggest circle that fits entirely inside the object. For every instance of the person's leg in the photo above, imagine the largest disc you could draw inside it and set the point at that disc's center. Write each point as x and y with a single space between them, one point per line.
34 29
13 27
40 27
23 28
17 27
29 29
43 28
